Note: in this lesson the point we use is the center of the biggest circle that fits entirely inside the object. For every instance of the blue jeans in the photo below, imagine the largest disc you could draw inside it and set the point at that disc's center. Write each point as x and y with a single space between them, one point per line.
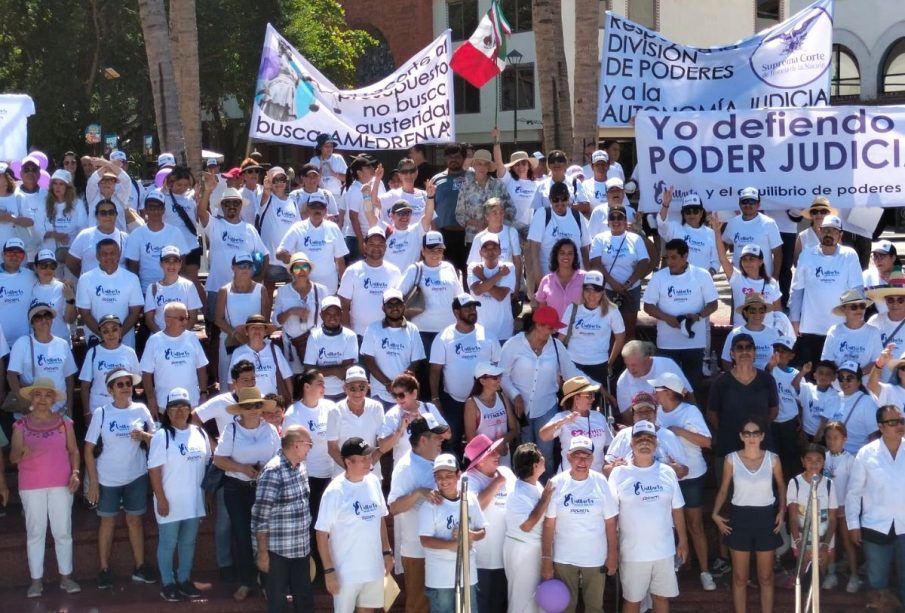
879 558
443 600
531 434
223 536
176 537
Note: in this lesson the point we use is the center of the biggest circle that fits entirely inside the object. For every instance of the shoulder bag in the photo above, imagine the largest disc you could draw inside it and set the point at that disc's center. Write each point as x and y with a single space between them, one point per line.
414 301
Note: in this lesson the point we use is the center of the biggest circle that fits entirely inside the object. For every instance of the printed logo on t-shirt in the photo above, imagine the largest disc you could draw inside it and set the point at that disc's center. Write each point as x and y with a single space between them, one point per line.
578 505
286 215
49 362
743 239
313 243
694 245
826 275
324 356
192 453
451 522
176 356
10 295
365 510
375 286
586 324
648 493
679 293
232 241
390 347
466 351
850 350
521 190
123 430
106 294
105 366
561 233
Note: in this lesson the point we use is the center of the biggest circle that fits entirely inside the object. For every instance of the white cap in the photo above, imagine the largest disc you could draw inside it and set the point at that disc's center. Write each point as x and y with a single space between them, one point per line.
170 251
490 237
831 221
581 443
391 294
375 231
692 199
118 156
593 277
156 195
643 427
464 299
433 239
45 255
231 193
748 193
849 365
356 373
317 197
166 159
178 395
669 380
62 175
276 171
330 301
786 341
614 183
600 156
539 155
482 369
211 162
752 249
883 246
445 461
239 258
14 243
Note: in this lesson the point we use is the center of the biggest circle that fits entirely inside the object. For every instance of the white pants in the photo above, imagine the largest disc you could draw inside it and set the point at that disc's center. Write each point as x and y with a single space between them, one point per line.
521 562
55 504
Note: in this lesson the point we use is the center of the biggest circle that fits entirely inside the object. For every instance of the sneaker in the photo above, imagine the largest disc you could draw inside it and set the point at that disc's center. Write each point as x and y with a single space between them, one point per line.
69 586
144 574
35 589
188 590
706 370
170 593
720 567
105 579
830 582
707 582
853 585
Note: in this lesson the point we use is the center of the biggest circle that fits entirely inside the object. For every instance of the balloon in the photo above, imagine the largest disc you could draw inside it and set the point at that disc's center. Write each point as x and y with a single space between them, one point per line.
41 157
552 596
44 179
161 176
16 165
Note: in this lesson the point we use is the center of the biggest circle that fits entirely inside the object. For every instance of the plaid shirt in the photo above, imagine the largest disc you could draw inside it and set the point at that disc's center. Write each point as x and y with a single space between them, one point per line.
282 508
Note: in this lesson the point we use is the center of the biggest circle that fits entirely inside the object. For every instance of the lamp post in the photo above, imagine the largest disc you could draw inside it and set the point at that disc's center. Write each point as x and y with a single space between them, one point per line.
514 58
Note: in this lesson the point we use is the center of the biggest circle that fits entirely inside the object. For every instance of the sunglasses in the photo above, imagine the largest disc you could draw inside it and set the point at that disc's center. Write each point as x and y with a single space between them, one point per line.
244 265
895 300
818 212
46 316
555 200
123 384
296 268
858 306
399 395
46 265
615 218
280 180
106 213
748 202
752 433
846 378
403 213
899 421
29 168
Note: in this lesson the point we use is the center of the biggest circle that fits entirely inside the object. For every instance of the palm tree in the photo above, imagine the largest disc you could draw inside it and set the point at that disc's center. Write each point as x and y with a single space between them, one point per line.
587 74
184 45
556 108
163 80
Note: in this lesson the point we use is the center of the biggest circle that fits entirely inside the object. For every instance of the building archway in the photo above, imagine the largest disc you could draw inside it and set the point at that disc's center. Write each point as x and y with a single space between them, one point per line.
892 72
845 76
377 62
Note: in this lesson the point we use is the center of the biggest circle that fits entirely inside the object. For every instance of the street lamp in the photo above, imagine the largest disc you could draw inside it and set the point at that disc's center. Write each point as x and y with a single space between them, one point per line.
514 58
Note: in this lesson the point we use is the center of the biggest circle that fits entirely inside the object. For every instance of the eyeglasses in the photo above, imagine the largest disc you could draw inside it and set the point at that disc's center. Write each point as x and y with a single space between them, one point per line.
46 265
846 378
280 180
403 213
818 212
178 318
899 421
407 171
399 395
296 268
694 210
45 316
123 384
752 433
244 265
357 388
858 306
555 200
743 347
895 300
29 168
106 213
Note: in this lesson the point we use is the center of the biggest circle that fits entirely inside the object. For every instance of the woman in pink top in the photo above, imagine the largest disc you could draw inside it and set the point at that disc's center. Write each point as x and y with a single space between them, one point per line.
44 447
562 286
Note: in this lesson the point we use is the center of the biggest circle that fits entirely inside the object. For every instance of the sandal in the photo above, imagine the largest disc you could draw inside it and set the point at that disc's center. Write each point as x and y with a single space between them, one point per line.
242 593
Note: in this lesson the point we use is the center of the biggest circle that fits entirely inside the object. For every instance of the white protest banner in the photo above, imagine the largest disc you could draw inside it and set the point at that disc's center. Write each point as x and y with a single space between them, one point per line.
294 102
853 155
784 66
15 109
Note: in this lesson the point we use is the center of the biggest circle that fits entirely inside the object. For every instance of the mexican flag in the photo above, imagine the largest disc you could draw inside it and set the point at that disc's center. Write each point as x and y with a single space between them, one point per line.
483 56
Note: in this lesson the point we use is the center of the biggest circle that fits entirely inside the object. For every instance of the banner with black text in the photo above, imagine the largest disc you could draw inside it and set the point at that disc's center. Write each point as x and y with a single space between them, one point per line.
294 102
787 65
853 155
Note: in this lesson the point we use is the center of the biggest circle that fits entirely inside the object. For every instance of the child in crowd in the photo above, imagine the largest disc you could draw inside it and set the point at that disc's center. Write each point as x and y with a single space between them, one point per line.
797 495
275 417
816 397
838 467
788 383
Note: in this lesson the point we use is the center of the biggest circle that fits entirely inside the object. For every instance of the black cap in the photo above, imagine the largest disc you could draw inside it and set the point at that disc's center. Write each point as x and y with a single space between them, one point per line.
426 423
355 446
740 338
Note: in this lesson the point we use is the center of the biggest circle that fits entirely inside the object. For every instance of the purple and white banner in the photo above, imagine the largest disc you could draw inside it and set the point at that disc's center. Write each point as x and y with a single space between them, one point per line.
853 155
294 102
787 65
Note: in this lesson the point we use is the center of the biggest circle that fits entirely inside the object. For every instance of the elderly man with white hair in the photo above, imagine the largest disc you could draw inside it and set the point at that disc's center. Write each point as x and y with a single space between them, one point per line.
640 365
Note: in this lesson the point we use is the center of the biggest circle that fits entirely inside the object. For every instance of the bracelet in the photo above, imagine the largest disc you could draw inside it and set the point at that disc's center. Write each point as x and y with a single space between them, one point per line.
327 571
70 302
388 552
546 557
435 398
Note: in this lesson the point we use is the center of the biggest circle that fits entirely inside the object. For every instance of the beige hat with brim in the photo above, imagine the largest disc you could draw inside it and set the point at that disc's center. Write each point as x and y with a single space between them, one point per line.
250 399
850 296
577 385
521 156
752 300
41 383
257 320
881 293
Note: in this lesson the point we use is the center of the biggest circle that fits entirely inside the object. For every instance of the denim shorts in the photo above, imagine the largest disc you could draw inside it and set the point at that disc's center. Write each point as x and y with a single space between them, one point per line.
132 498
693 491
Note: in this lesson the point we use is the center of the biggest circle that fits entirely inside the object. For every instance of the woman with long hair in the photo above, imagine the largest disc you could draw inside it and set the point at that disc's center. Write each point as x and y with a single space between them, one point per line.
487 410
352 215
12 221
562 286
64 217
181 212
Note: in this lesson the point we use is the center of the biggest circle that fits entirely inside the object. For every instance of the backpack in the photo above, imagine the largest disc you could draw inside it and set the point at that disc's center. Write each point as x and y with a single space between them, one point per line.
548 217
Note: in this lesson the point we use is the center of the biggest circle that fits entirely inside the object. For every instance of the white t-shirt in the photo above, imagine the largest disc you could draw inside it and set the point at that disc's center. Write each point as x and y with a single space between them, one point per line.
542 194
872 280
352 200
52 294
823 279
227 240
410 472
688 417
174 362
788 396
391 420
572 225
890 394
32 205
270 365
288 298
122 460
580 509
591 330
701 247
275 219
599 220
858 412
669 447
521 191
394 349
70 223
862 345
317 420
158 296
798 493
352 514
104 294
763 344
99 361
520 504
323 245
331 350
364 285
248 446
594 426
490 549
510 248
84 246
404 246
681 294
417 200
172 218
627 385
9 204
335 163
439 285
215 409
761 231
144 245
52 360
619 255
348 424
301 198
183 464
815 404
251 202
439 520
495 315
459 353
890 331
646 498
838 468
16 292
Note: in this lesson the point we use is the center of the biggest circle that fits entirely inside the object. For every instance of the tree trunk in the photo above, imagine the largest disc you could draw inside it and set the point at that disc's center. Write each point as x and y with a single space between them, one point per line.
553 74
184 45
587 75
163 81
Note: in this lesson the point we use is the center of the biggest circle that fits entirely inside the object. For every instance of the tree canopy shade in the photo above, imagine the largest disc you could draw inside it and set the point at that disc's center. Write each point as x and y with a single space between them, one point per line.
57 52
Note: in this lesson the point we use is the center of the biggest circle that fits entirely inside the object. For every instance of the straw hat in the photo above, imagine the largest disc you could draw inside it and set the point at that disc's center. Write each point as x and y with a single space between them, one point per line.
752 299
41 383
819 203
896 287
257 320
850 296
250 398
577 385
521 156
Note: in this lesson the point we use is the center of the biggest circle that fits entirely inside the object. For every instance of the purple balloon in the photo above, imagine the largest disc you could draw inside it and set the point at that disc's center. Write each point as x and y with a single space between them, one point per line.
16 165
270 65
44 179
161 176
41 157
552 596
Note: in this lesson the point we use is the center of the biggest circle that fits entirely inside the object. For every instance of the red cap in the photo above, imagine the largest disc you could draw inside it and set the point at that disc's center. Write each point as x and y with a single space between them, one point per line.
232 173
547 316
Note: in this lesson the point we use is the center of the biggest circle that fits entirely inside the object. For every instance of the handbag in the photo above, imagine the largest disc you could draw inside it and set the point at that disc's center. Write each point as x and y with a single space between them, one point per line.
414 301
570 327
14 403
213 474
